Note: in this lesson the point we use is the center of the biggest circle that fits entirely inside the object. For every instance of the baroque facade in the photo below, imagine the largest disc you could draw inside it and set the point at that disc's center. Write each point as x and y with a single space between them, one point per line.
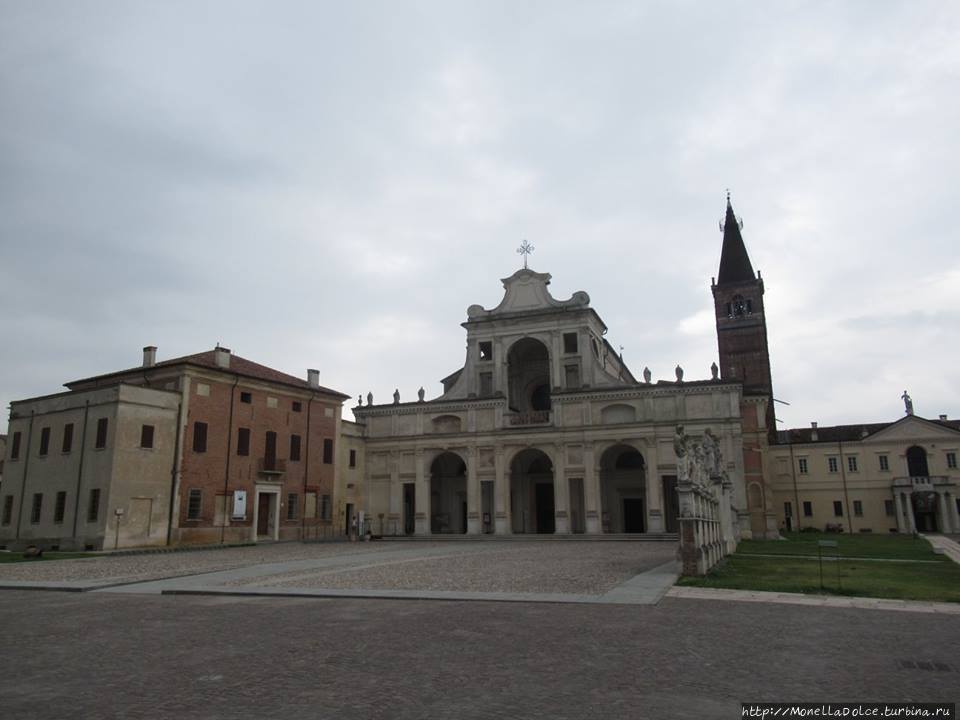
544 430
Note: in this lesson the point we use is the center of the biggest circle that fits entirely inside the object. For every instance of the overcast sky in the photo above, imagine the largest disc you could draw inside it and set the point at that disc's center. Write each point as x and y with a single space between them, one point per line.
330 185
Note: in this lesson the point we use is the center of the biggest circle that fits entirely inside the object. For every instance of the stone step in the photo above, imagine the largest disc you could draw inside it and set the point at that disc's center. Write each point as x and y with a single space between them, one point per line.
607 537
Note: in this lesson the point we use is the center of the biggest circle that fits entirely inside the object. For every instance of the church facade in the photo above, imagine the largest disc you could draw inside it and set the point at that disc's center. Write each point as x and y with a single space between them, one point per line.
545 430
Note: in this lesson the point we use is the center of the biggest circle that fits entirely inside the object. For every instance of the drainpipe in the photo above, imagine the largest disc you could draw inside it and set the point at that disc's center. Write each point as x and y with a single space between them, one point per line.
83 447
846 496
175 468
26 464
226 472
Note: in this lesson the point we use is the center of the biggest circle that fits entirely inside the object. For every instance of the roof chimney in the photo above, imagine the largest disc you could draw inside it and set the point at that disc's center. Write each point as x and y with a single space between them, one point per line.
313 378
223 356
814 435
150 356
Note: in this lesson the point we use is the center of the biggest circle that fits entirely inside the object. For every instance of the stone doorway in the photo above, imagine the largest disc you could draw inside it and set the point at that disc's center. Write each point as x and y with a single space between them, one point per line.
633 515
545 508
448 495
532 505
409 508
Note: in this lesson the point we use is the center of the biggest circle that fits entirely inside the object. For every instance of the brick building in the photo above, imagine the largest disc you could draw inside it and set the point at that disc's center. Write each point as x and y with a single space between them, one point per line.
245 452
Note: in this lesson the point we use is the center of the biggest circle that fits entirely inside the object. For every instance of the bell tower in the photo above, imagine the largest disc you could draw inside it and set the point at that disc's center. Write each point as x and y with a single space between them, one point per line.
745 359
740 317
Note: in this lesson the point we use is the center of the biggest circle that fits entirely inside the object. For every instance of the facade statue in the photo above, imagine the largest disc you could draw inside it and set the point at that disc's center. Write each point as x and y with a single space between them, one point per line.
679 371
369 398
420 393
360 400
647 375
714 371
681 448
907 403
396 396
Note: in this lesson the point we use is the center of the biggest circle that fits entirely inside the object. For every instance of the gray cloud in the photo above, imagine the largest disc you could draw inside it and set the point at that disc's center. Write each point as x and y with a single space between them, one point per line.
319 184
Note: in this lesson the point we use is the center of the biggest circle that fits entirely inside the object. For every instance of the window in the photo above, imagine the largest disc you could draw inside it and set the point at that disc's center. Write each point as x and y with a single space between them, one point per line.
93 508
15 446
101 441
310 505
294 448
194 504
739 307
146 436
569 343
292 500
832 464
7 509
297 406
44 441
888 508
203 390
807 508
353 458
246 397
59 508
35 510
884 462
243 441
852 463
325 507
802 466
952 460
199 437
327 451
67 437
572 376
788 509
271 402
858 508
486 350
837 508
486 384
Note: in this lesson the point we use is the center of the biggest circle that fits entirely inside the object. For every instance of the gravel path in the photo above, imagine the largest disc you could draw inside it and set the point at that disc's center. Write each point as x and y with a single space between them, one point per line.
587 568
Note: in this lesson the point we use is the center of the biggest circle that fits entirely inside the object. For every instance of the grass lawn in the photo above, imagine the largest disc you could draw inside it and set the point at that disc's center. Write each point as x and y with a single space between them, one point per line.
15 557
747 570
899 547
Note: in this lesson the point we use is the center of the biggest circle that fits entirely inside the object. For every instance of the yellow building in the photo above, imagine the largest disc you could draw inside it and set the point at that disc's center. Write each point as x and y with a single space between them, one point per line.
882 477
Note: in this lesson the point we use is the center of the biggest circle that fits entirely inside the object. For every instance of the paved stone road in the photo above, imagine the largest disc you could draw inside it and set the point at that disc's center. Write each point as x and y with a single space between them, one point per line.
98 655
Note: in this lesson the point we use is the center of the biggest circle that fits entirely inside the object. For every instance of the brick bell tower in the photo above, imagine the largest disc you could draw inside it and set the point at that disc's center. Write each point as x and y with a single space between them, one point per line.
745 358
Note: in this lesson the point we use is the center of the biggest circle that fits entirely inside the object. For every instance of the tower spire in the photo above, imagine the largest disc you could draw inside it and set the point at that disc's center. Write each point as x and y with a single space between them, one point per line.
735 264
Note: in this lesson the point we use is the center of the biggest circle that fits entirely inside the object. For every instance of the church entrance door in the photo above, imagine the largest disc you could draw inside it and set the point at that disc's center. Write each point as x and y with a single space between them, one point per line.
544 504
409 508
633 515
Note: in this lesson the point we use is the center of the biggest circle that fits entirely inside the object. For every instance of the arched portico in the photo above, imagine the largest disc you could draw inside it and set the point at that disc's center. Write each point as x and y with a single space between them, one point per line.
448 494
623 490
532 501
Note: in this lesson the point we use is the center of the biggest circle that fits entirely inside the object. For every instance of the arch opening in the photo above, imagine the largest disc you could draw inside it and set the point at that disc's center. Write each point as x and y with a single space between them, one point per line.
448 495
623 490
531 492
528 377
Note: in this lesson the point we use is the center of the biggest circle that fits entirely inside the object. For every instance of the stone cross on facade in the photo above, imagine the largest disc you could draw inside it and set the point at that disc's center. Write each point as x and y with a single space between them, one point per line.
525 249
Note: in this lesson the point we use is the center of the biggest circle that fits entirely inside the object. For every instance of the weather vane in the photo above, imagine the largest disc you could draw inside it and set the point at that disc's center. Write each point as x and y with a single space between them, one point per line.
525 249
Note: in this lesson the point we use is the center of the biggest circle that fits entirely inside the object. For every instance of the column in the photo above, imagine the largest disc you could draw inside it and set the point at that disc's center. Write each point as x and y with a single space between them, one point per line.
394 526
911 521
501 495
899 503
945 524
561 491
591 491
421 497
954 514
474 525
